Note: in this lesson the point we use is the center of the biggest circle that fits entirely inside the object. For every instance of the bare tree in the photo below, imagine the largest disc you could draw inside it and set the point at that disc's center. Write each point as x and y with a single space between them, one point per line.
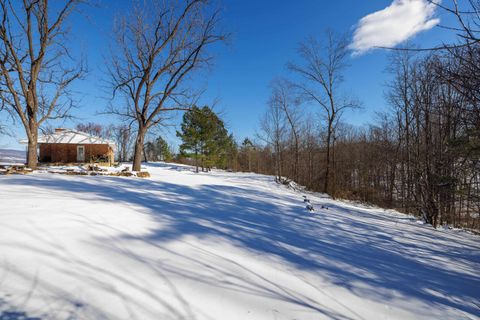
273 129
309 137
122 135
283 98
400 97
35 65
158 46
321 70
95 129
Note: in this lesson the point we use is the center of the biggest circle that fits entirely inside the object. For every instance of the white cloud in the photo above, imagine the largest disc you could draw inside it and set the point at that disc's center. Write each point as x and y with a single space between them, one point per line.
393 25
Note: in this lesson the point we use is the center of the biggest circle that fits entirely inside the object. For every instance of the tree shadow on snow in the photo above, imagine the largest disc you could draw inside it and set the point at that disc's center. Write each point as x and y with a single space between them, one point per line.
9 313
363 257
16 315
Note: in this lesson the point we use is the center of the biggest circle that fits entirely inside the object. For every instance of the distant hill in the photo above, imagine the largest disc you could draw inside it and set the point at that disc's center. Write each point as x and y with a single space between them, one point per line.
8 155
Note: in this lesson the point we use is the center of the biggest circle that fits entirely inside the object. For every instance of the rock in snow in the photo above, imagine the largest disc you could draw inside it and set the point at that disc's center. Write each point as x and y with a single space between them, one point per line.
220 245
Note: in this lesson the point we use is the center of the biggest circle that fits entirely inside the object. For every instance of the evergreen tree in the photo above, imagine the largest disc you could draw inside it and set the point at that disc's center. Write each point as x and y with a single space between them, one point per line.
190 134
204 138
158 150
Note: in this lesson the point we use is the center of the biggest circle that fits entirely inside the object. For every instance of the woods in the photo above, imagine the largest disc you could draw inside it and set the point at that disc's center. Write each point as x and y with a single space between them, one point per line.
421 156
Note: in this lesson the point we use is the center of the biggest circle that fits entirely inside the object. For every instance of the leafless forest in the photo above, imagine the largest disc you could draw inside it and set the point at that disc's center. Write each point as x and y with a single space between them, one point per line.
421 156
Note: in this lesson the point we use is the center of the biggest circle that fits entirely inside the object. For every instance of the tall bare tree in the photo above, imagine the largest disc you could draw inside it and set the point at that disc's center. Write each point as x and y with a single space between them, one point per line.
35 65
95 129
400 97
283 97
321 71
159 45
272 131
122 135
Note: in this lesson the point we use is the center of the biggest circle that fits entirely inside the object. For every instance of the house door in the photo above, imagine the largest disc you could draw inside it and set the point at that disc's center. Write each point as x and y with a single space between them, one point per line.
80 153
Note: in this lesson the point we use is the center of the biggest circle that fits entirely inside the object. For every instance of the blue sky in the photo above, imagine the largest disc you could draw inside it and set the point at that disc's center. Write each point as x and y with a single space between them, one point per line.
265 36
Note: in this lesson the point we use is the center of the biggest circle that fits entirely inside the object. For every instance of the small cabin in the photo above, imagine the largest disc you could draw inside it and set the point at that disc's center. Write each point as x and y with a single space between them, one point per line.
70 146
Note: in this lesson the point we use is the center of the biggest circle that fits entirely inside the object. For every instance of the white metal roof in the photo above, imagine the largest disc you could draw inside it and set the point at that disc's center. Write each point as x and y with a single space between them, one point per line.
72 137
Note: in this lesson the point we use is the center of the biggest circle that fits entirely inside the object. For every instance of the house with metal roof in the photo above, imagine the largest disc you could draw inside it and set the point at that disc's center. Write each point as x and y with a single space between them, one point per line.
71 146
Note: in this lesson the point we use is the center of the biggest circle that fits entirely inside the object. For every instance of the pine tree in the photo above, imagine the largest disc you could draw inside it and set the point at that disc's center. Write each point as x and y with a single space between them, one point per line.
204 138
158 150
190 134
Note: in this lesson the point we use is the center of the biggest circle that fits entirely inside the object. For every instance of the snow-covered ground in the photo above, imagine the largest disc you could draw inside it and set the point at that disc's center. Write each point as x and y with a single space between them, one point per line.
220 246
8 156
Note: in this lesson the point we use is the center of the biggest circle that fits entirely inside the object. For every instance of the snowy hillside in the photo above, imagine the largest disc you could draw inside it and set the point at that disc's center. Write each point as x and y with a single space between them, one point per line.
12 156
220 246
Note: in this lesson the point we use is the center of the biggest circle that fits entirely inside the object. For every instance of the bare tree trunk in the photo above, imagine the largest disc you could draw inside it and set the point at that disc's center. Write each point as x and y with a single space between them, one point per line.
145 155
32 153
333 176
196 160
124 152
32 156
327 160
137 155
296 157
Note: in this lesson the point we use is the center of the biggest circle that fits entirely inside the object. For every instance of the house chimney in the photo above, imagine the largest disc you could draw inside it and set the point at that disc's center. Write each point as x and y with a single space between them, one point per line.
59 130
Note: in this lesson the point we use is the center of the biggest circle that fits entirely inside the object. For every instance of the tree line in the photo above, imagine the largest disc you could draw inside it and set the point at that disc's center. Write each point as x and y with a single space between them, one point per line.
422 156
